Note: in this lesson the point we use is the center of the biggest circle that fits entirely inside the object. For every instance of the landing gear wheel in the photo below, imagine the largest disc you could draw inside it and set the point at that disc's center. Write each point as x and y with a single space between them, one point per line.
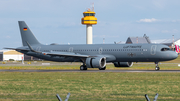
102 68
83 67
157 68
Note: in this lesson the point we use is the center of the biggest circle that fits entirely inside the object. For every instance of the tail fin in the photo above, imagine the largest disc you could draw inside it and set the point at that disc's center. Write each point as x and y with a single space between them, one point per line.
27 35
177 48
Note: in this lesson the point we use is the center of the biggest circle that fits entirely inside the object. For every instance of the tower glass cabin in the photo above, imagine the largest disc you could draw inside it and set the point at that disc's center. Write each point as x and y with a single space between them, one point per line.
89 18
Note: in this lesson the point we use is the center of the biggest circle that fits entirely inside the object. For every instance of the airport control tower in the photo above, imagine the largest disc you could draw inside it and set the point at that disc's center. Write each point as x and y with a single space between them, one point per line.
89 20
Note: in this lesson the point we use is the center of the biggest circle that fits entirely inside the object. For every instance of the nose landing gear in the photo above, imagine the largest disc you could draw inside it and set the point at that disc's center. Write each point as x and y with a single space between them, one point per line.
157 67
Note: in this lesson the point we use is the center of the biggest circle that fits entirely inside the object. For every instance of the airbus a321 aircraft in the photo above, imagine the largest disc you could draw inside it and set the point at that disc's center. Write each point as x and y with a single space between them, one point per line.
94 55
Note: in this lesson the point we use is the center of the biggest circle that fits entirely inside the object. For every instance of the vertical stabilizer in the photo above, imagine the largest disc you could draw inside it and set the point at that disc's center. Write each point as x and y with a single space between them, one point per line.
177 48
27 35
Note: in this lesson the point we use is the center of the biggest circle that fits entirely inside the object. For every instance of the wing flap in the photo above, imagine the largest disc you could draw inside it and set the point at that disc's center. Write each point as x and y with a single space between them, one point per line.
66 54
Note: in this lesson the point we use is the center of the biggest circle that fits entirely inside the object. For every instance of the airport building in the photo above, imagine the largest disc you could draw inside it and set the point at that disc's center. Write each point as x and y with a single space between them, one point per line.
6 55
89 19
136 40
169 42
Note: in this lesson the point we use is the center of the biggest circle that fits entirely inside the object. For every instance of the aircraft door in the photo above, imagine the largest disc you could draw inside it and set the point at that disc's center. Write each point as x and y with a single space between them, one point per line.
71 49
100 50
153 49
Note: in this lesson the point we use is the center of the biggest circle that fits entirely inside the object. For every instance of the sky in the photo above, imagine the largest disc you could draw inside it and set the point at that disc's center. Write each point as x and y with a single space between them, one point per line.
59 21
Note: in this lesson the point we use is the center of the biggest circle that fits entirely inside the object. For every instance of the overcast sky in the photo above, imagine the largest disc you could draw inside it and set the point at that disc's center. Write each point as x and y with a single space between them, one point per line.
59 21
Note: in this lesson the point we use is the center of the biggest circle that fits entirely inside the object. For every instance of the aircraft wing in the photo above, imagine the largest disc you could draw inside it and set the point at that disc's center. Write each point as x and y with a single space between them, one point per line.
66 54
17 49
77 55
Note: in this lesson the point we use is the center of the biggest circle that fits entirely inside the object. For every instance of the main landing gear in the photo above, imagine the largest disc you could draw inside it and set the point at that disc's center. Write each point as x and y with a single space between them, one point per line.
157 67
83 67
102 68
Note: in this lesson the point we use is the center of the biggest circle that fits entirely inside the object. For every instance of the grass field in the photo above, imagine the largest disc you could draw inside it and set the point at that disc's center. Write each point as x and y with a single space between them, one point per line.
99 86
89 86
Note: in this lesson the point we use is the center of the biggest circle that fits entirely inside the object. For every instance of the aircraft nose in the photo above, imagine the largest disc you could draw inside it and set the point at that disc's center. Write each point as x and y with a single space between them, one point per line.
175 55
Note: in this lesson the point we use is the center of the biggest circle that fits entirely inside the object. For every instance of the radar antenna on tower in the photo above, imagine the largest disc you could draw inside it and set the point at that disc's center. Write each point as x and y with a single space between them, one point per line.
93 7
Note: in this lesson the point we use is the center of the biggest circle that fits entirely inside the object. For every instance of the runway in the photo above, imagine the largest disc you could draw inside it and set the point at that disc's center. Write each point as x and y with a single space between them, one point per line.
89 71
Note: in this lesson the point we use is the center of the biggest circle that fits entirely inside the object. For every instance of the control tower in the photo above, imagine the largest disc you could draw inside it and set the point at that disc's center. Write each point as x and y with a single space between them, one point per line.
89 20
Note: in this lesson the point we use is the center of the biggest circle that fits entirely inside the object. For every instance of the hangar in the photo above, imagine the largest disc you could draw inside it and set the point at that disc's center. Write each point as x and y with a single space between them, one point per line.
133 40
6 55
169 42
10 54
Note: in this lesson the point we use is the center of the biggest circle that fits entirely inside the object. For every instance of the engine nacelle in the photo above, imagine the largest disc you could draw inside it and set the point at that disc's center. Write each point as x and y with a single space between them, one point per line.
123 64
97 62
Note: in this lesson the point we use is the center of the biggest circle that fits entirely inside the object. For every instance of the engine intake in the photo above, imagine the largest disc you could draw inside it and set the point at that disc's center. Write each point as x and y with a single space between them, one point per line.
123 64
97 62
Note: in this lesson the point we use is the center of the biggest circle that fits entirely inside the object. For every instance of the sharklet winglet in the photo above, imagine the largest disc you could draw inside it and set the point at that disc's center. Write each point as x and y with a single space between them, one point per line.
32 48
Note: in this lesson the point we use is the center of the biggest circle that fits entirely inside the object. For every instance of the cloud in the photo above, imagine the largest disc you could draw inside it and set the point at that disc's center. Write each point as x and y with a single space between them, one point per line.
170 31
160 3
176 20
148 20
7 37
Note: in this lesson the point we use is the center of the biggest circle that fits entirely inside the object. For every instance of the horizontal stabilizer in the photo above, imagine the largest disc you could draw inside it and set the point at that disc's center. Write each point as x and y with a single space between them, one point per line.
18 49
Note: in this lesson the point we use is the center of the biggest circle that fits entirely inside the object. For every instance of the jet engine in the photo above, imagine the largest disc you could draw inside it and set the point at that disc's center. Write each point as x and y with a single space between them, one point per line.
123 64
96 62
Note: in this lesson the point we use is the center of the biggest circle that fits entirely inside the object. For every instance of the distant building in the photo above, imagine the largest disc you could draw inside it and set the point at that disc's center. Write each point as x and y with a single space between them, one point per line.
11 54
6 55
27 58
169 42
137 40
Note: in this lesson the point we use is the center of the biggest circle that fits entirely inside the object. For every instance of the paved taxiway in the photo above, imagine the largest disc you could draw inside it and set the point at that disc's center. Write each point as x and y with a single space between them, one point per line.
89 71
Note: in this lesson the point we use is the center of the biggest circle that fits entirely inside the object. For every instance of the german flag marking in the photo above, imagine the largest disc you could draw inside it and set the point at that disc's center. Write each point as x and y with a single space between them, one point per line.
25 29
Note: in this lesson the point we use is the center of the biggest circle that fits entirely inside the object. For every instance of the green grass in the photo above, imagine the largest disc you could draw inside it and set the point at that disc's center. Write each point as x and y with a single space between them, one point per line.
15 86
89 86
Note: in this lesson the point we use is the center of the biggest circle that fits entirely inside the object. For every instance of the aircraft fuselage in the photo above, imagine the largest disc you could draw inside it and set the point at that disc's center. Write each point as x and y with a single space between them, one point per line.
113 52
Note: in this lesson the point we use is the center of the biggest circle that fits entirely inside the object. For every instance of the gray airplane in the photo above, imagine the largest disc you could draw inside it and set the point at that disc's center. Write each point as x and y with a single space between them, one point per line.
94 55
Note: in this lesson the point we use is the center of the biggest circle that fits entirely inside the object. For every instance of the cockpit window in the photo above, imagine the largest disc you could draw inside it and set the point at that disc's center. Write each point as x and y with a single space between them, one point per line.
166 49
